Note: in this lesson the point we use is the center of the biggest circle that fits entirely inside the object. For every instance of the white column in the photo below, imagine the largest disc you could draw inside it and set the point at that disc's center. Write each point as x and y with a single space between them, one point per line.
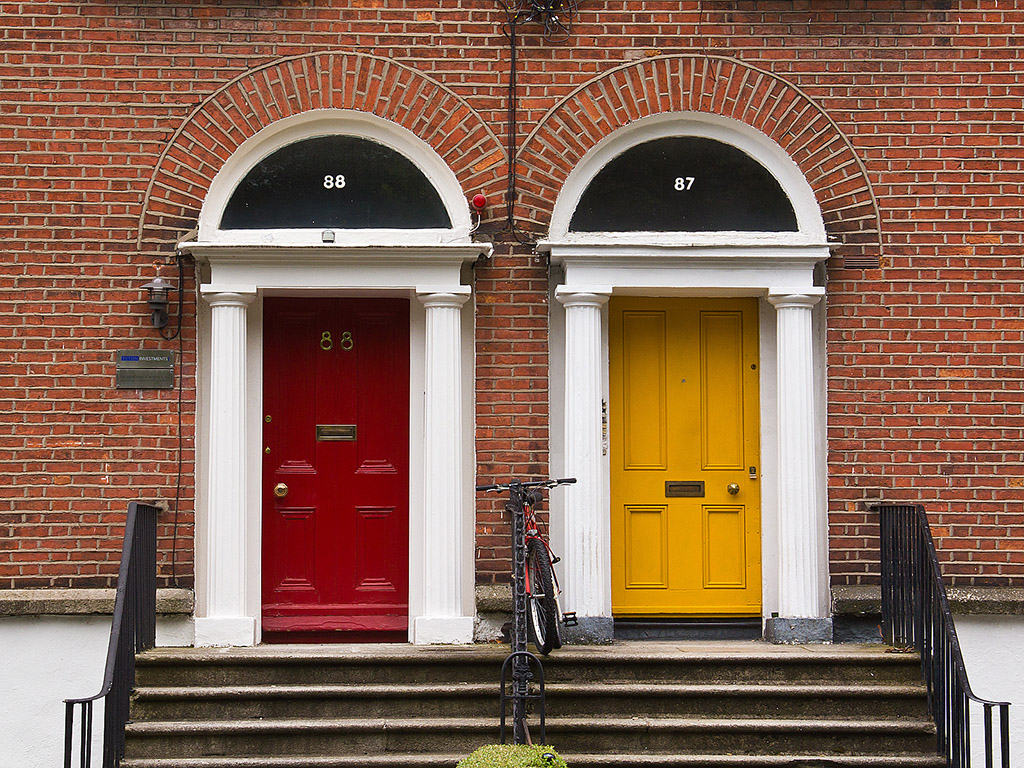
586 564
444 618
804 608
224 620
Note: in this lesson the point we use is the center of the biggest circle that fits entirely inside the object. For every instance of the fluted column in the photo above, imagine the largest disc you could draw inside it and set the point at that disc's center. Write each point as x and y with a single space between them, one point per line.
224 620
444 617
803 567
586 565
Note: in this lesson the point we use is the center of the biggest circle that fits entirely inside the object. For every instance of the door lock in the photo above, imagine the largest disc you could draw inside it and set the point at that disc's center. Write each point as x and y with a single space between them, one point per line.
733 488
281 490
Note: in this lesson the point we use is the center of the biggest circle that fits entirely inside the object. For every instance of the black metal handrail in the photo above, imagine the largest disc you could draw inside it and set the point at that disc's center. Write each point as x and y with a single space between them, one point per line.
133 630
915 613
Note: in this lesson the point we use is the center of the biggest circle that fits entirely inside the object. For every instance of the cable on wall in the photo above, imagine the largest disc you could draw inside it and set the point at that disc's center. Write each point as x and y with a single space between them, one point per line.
180 386
556 18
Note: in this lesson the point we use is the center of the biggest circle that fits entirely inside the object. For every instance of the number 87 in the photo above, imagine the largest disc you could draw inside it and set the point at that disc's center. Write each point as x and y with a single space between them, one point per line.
684 182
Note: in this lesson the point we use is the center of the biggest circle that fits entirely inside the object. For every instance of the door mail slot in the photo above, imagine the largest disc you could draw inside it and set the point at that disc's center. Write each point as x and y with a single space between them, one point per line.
329 432
684 488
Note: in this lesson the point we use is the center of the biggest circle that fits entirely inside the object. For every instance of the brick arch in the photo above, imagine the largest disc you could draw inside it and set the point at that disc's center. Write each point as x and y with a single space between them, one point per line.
293 85
717 85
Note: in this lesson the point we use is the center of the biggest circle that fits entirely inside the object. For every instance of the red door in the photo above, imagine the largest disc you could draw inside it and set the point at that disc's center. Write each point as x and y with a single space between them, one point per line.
335 469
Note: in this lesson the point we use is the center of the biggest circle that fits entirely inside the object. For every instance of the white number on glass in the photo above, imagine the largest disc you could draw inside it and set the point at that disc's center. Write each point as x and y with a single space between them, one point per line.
334 182
684 182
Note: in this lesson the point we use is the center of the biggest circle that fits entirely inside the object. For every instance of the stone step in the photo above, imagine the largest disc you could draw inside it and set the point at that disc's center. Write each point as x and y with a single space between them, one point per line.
754 761
658 704
283 665
473 699
574 761
736 662
739 700
311 701
759 736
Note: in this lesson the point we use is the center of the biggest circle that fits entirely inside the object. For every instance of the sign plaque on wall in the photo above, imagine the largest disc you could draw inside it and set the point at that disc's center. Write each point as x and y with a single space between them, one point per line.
145 369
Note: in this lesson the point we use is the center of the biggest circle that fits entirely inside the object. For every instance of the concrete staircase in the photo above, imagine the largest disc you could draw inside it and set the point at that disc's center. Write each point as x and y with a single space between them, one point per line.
656 704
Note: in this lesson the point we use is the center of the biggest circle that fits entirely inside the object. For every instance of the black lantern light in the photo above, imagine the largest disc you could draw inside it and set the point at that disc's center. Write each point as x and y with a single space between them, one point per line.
158 289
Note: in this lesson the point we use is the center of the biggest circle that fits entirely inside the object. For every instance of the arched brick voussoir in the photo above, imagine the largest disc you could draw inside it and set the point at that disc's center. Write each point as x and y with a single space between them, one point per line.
238 110
717 85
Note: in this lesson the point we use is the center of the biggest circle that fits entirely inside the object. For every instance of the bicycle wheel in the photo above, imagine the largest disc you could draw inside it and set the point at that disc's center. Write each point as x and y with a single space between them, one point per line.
542 611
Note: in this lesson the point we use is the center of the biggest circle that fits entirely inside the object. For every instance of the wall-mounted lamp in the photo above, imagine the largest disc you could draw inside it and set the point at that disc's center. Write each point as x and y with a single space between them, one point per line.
158 290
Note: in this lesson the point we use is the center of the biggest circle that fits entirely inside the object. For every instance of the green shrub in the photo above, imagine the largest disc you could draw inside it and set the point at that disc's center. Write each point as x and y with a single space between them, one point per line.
513 756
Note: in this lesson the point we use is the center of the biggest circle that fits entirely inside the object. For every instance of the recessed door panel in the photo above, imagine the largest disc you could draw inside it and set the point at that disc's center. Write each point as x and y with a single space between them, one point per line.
685 506
643 390
724 548
377 412
721 376
335 470
296 536
376 562
647 556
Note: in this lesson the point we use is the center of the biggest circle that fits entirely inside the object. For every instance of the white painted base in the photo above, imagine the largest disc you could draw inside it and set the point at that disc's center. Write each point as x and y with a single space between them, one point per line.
442 630
47 659
175 632
213 631
991 647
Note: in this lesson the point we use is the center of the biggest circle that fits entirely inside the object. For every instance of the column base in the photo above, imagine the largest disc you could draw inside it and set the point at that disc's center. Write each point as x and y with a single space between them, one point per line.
225 632
590 630
442 630
798 631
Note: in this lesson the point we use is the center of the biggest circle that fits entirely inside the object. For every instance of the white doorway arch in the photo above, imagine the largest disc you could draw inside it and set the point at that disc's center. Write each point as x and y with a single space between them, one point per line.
779 268
242 266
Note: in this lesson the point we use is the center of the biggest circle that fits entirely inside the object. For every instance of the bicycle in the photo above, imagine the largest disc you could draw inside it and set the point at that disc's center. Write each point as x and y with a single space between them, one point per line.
543 609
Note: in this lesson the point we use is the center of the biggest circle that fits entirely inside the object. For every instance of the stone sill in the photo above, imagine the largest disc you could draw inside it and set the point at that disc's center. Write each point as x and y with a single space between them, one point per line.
494 598
964 601
74 602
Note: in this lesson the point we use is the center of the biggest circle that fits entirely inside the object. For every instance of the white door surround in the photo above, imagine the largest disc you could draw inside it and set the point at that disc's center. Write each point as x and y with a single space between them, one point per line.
243 266
777 267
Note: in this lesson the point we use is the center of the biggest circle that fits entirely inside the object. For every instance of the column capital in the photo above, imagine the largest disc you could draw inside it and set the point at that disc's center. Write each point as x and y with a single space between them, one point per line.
592 296
228 295
453 296
795 298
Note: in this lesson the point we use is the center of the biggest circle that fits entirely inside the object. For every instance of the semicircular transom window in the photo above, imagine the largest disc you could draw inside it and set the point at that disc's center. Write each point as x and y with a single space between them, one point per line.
343 182
684 184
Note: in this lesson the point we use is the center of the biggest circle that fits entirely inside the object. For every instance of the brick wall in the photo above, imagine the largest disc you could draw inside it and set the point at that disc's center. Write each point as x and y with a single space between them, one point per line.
910 136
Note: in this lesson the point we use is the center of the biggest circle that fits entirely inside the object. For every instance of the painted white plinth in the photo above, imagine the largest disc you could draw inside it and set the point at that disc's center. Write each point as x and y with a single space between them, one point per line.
444 618
224 620
442 630
587 562
803 567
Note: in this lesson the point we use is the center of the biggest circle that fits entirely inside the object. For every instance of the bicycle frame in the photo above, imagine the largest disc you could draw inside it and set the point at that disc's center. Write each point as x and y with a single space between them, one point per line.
533 534
521 495
521 505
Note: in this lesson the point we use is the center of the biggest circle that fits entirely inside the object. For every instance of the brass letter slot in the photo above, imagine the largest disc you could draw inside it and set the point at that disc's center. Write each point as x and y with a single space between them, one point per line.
684 488
326 432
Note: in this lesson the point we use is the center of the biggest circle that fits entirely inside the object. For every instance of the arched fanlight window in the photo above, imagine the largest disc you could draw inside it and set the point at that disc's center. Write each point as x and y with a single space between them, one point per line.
684 184
338 181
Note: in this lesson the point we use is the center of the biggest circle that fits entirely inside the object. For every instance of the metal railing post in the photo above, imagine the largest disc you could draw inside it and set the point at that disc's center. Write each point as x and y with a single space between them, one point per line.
916 613
133 630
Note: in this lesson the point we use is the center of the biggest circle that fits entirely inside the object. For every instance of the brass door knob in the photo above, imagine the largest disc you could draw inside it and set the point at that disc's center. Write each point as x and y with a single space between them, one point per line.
280 490
733 488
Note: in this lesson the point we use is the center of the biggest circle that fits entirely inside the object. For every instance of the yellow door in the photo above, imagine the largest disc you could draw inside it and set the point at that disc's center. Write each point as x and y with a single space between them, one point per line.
685 472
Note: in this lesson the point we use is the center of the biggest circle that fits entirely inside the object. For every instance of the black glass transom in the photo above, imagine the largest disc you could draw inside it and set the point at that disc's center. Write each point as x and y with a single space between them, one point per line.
684 184
344 182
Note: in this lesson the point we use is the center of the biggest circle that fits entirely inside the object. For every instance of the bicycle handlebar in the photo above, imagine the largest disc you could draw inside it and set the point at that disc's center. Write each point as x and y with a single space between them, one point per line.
528 484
